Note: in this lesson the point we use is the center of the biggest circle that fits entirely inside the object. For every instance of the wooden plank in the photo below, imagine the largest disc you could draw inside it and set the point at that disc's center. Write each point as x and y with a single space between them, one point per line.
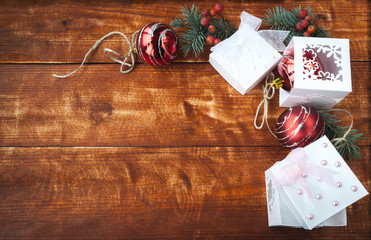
151 193
62 32
182 105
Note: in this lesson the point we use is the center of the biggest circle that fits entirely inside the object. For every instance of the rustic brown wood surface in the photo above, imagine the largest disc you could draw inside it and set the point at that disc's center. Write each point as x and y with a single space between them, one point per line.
160 153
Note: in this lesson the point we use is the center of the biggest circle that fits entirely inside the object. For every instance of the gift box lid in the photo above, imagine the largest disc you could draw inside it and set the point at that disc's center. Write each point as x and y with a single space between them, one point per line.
316 182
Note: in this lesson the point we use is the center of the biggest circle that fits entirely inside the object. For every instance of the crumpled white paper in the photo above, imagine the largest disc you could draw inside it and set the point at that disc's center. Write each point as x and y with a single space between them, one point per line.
246 57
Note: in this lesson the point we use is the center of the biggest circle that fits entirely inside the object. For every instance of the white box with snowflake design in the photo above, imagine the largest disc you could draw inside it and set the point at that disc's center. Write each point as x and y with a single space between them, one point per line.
311 188
319 88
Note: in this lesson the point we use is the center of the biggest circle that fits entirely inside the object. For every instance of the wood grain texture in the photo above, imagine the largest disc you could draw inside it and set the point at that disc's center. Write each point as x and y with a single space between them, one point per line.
156 193
99 106
63 31
160 153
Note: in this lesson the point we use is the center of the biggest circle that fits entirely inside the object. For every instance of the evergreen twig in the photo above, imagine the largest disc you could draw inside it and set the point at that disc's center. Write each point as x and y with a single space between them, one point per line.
278 18
194 34
333 130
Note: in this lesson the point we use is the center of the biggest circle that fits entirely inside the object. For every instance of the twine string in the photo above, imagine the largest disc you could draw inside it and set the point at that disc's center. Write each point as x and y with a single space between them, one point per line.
341 140
108 53
268 93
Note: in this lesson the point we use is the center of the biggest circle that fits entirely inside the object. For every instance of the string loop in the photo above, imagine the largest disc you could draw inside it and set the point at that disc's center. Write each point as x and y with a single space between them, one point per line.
108 53
341 141
268 93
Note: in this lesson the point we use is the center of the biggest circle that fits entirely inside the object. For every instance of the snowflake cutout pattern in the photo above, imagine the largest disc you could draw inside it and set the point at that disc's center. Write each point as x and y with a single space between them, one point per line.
312 66
313 69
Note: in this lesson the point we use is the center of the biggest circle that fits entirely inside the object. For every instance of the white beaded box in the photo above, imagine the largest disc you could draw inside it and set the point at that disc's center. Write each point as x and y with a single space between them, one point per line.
318 194
330 85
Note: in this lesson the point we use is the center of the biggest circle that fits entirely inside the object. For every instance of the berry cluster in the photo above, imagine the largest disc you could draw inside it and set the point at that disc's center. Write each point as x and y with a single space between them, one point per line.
304 22
205 22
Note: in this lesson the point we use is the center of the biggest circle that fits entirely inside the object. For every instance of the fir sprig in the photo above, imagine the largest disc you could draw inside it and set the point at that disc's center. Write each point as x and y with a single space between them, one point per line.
194 34
278 18
333 130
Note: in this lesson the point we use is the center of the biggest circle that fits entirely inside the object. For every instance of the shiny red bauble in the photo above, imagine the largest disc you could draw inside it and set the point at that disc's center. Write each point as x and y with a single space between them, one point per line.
286 71
286 68
299 126
312 63
157 44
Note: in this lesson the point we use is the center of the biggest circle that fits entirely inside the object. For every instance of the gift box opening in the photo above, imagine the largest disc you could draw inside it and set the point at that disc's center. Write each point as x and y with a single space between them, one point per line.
322 72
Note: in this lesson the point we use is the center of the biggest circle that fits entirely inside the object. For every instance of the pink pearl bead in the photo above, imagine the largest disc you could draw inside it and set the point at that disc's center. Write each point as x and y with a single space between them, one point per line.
335 203
310 216
337 164
339 184
324 162
319 179
354 188
304 175
300 192
319 196
324 145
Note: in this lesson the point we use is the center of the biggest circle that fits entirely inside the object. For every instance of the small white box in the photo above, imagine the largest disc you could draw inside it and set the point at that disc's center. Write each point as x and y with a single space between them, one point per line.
246 57
311 188
328 87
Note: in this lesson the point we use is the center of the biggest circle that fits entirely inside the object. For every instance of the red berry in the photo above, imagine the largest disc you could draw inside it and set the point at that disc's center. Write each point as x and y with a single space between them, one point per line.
217 41
311 29
308 18
205 12
299 27
306 34
210 40
212 12
303 13
218 7
211 28
304 23
205 21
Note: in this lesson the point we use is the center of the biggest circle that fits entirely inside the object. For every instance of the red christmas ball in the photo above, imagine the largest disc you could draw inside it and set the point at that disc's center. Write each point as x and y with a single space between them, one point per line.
286 69
157 44
299 126
312 64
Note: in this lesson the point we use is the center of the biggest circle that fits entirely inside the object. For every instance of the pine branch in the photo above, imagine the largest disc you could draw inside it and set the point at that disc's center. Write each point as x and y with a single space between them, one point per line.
194 34
278 18
333 130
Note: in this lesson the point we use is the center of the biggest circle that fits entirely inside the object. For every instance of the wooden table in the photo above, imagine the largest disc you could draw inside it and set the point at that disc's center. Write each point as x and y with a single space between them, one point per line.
160 153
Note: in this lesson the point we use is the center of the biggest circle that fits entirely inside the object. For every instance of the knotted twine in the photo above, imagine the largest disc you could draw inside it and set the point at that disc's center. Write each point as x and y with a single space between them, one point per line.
342 141
108 53
268 93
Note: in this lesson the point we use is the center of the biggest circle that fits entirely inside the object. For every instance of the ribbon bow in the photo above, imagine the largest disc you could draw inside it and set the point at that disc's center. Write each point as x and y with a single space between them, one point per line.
298 169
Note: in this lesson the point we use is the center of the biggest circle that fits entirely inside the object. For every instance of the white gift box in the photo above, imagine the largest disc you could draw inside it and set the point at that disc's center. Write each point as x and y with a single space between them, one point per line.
311 188
246 57
326 88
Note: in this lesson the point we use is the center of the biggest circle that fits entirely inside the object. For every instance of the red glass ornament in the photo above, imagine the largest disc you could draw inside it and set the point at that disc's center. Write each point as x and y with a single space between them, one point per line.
287 72
311 61
157 44
299 126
